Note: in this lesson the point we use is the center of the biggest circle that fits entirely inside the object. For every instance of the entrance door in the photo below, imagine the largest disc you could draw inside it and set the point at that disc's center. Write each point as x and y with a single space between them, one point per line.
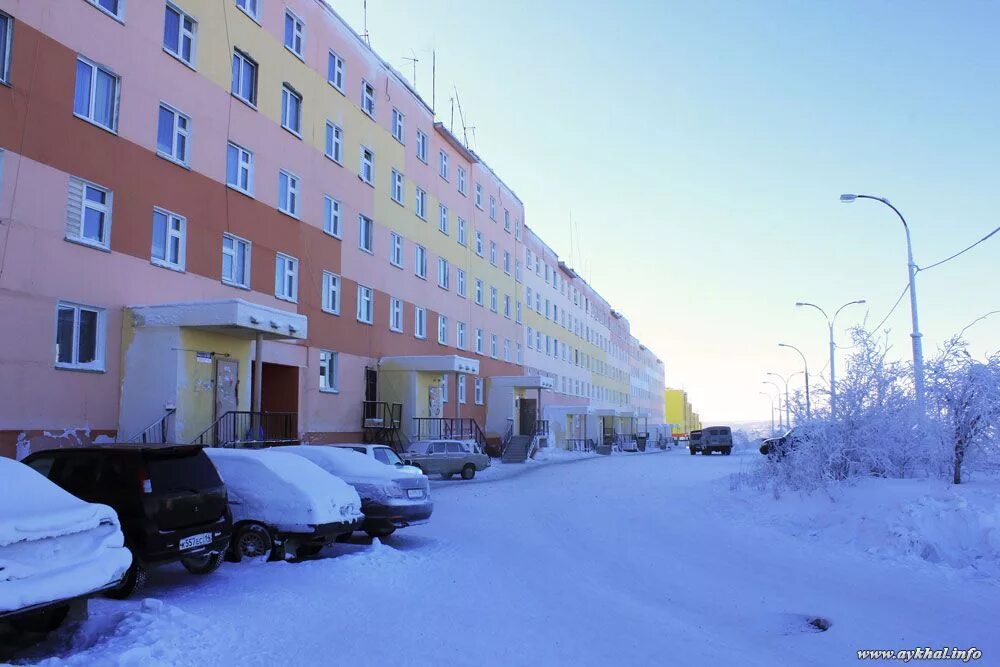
528 415
371 393
227 373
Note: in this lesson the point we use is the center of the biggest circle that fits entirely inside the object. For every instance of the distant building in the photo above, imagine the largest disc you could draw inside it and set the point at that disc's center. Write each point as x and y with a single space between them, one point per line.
679 412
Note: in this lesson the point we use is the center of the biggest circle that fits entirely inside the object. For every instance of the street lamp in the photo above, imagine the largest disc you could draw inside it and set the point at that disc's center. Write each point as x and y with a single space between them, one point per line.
788 409
778 389
915 335
770 398
833 348
806 365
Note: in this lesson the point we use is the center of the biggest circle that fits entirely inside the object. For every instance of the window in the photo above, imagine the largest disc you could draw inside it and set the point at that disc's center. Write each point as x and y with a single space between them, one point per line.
444 273
506 349
493 299
421 204
478 391
493 208
396 315
442 330
506 221
396 249
6 37
493 346
244 85
294 34
96 95
421 146
239 168
479 196
335 143
531 337
173 131
112 7
444 398
460 335
329 375
517 270
366 233
335 71
461 388
517 312
479 243
88 213
397 187
443 218
398 126
493 253
178 34
443 165
419 322
461 282
331 216
462 236
461 180
479 341
251 8
80 333
366 304
291 110
368 98
517 230
286 278
288 193
506 306
169 231
479 292
420 261
331 293
235 261
367 171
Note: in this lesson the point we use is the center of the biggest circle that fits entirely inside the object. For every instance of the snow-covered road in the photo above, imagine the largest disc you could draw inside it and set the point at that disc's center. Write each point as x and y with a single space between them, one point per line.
624 560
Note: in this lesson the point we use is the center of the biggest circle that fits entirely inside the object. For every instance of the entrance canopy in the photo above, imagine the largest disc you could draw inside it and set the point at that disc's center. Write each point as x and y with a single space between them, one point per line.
233 317
441 363
523 381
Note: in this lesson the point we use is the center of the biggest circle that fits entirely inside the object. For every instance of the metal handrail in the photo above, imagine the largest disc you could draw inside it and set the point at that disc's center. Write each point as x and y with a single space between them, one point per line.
507 436
146 435
239 428
450 428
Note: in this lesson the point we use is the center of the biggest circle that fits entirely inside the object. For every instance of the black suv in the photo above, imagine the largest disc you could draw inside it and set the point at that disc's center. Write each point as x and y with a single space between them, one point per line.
169 498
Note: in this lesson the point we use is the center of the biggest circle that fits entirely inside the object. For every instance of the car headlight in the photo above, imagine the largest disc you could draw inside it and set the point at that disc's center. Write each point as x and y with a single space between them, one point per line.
394 490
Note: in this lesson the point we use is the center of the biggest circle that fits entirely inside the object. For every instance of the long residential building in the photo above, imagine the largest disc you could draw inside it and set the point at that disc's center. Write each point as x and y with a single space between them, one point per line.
234 208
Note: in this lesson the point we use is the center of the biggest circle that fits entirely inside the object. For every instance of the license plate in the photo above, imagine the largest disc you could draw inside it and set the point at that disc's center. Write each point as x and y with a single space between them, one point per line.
196 541
414 493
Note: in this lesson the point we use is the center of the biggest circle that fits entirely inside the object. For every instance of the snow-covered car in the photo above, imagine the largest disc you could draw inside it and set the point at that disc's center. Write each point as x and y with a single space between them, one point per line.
390 498
383 454
446 458
55 550
777 448
283 503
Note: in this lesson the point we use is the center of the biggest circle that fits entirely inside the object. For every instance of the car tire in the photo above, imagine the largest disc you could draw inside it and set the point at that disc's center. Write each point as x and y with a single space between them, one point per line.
253 542
469 471
381 534
206 564
308 550
693 452
44 621
728 451
132 583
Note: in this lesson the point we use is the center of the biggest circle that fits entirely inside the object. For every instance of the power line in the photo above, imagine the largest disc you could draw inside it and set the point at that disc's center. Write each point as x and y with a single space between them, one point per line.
894 307
948 259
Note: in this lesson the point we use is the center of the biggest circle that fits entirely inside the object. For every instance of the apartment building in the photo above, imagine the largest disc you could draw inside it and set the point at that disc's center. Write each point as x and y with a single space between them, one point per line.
679 414
237 207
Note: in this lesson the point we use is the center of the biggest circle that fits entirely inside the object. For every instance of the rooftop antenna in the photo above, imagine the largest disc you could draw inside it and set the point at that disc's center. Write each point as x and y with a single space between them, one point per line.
461 116
433 80
571 237
451 126
365 34
414 60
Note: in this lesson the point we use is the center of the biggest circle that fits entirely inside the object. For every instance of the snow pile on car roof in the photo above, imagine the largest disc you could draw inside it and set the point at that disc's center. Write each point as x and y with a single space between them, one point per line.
345 462
283 490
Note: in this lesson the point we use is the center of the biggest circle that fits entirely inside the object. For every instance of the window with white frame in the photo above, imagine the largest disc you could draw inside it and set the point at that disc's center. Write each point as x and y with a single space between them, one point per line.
506 349
444 387
442 218
396 249
506 220
506 306
179 32
493 253
420 261
479 292
329 371
461 282
442 330
288 193
443 165
235 261
286 277
114 8
479 243
368 98
460 388
493 299
444 273
462 237
520 354
172 134
479 341
335 71
244 83
169 239
517 230
493 208
506 262
251 8
461 180
422 146
421 204
88 213
331 293
291 110
335 142
460 335
96 96
331 216
239 168
294 34
479 391
479 196
366 304
419 322
6 37
494 348
397 187
531 338
399 126
395 314
517 312
517 270
80 336
366 233
367 170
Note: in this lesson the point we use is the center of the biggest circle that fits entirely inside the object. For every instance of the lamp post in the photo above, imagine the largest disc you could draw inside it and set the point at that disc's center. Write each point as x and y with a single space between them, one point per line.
833 349
805 364
788 407
778 389
770 398
915 335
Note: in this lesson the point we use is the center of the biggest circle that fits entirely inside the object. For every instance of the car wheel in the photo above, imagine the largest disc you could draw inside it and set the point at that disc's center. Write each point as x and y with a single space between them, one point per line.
252 542
133 582
693 452
206 564
728 451
381 533
469 471
308 550
46 620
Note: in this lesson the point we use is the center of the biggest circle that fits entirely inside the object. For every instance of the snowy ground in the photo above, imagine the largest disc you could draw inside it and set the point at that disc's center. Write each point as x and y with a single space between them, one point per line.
625 560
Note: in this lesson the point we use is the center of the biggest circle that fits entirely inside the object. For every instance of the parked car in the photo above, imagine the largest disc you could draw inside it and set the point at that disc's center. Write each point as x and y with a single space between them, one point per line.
446 458
383 454
694 441
716 439
283 503
56 551
169 499
391 497
777 448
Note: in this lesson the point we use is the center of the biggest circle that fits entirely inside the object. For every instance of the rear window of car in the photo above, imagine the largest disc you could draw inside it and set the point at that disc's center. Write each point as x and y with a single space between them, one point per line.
188 471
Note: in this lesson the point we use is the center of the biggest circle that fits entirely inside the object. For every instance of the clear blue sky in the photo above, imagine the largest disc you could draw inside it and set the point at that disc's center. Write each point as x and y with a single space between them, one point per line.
701 148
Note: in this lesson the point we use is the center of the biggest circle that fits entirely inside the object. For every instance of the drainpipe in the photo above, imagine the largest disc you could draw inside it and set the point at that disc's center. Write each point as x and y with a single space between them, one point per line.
258 368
